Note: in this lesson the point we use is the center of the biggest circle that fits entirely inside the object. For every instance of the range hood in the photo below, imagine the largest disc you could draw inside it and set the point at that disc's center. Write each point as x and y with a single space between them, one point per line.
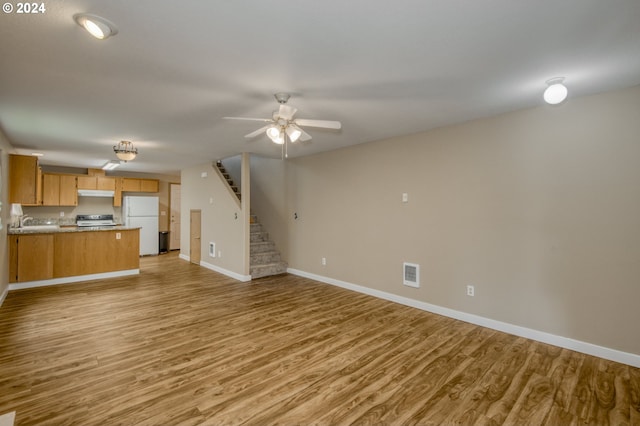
95 193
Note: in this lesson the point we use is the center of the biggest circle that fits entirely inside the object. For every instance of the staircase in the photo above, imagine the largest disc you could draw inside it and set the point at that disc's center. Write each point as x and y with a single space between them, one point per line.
227 177
264 259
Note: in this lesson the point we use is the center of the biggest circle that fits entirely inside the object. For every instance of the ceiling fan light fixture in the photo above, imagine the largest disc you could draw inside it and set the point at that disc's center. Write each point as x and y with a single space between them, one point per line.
293 132
273 132
97 26
280 139
125 151
556 92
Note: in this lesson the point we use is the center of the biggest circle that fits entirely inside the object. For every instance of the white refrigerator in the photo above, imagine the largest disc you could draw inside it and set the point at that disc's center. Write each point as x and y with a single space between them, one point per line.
142 212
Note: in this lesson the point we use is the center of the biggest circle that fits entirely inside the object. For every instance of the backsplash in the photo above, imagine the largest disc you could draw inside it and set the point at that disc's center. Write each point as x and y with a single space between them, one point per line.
49 215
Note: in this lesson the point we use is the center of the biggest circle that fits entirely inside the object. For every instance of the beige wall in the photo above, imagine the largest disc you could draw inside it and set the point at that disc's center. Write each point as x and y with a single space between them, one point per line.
538 209
222 219
5 150
269 199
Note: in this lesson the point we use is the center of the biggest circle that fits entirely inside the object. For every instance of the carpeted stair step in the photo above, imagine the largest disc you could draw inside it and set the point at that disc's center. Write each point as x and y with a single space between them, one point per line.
259 271
262 247
264 258
256 237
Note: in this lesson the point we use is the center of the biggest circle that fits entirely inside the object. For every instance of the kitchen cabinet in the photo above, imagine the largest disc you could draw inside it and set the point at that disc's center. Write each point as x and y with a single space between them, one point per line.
30 257
43 256
59 190
140 185
97 182
82 253
117 195
149 185
24 180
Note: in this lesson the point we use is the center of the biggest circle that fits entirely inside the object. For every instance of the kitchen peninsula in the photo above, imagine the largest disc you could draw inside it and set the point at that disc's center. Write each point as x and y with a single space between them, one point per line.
55 255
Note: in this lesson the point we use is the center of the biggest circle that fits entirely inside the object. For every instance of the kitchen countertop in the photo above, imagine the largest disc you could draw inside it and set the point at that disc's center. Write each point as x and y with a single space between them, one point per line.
26 230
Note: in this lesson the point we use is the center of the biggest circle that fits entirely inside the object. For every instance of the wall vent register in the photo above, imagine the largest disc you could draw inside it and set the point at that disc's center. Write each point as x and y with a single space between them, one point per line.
411 275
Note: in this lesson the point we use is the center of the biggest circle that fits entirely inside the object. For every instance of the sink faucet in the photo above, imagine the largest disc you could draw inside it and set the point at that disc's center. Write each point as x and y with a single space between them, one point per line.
23 219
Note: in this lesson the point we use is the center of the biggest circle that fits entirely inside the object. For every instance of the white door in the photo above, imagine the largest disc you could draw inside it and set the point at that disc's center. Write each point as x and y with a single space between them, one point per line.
174 210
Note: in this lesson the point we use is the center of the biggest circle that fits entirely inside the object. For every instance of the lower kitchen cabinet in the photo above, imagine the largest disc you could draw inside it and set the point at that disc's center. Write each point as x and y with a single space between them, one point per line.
30 257
82 253
34 257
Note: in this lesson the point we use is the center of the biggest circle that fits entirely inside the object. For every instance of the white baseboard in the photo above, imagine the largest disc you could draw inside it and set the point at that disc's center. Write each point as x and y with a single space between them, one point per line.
4 295
234 275
7 419
184 257
75 279
540 336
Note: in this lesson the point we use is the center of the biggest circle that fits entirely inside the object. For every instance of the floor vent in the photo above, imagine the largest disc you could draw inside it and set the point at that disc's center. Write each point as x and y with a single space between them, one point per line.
411 275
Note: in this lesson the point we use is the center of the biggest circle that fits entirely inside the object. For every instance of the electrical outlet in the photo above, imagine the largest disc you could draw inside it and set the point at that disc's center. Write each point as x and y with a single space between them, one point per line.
61 214
405 197
118 236
324 261
219 253
471 291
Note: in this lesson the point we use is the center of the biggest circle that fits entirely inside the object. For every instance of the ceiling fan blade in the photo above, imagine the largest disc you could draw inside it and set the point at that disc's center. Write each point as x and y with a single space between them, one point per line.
304 136
326 124
257 132
247 119
287 111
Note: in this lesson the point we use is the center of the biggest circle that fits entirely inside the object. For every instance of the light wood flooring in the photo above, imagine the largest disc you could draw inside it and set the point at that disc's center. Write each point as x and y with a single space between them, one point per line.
182 345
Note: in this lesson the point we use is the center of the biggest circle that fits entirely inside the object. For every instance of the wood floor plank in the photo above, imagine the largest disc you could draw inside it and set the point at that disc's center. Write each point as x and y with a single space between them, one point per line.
182 345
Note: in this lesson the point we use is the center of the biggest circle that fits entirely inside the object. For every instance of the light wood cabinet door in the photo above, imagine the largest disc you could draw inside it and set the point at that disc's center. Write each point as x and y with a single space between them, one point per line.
117 195
59 190
30 257
105 183
149 185
50 189
68 190
23 179
87 182
130 185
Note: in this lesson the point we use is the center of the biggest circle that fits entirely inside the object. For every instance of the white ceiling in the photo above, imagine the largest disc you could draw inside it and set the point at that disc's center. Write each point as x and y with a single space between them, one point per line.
381 68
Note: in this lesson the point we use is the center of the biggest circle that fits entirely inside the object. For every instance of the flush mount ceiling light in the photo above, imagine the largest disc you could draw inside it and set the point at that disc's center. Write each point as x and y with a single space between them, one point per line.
97 26
556 92
110 165
125 151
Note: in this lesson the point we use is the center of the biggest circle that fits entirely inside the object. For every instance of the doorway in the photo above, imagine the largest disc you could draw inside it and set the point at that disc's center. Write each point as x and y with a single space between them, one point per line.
174 212
195 248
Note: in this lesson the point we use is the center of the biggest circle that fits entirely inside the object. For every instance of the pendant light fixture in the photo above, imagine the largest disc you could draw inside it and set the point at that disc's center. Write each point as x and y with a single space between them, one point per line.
556 92
125 151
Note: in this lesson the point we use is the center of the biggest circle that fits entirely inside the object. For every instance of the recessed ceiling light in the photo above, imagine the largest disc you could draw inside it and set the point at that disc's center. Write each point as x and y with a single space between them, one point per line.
97 26
556 92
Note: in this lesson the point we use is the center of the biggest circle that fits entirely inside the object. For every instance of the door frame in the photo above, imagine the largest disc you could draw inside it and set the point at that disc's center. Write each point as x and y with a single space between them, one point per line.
195 240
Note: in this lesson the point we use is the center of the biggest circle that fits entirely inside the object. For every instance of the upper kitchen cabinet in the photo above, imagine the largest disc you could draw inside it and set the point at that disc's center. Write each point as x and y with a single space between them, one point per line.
97 182
140 185
24 180
59 190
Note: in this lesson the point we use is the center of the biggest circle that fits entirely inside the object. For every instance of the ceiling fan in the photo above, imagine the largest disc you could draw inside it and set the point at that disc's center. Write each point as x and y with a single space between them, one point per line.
282 126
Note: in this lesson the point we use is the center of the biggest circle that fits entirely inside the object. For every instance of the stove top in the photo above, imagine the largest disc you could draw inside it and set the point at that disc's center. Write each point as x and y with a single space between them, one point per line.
95 220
